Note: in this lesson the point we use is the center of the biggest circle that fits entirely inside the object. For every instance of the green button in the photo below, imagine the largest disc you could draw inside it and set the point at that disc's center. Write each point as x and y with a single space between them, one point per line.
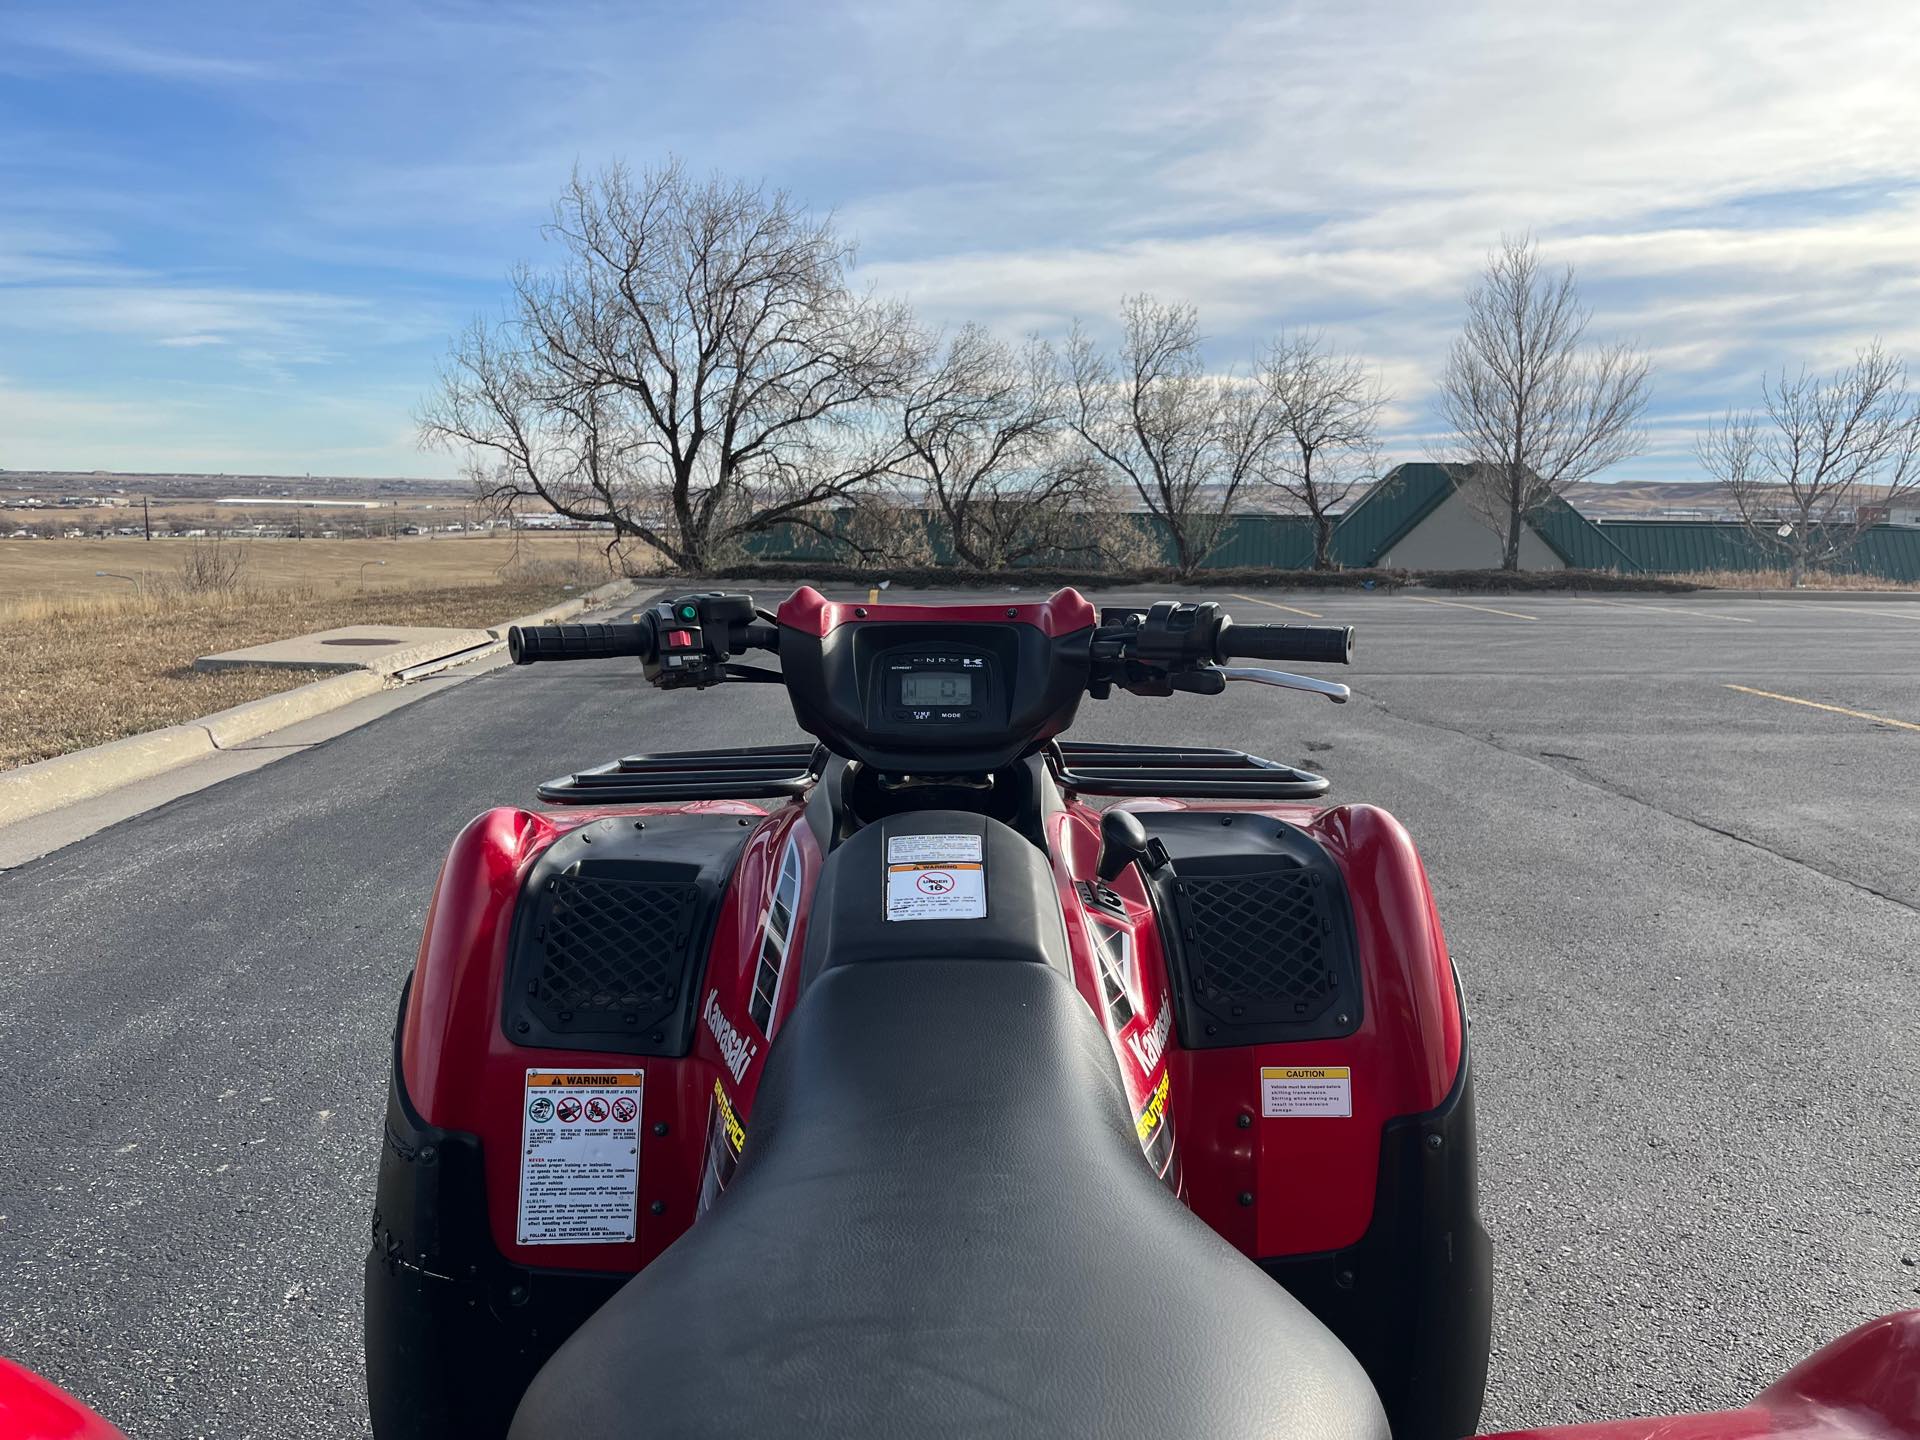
689 612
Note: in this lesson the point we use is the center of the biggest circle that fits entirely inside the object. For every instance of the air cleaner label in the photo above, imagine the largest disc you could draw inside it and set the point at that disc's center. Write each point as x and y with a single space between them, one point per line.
936 877
1308 1090
579 1157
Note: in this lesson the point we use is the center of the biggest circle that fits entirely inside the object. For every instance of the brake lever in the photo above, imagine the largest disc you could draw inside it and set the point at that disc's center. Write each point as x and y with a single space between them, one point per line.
1286 680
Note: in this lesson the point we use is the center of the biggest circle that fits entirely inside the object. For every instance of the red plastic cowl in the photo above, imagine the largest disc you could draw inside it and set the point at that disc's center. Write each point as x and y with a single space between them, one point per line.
1062 613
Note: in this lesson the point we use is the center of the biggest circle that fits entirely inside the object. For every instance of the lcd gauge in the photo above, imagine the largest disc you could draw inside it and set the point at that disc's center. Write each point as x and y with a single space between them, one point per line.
936 687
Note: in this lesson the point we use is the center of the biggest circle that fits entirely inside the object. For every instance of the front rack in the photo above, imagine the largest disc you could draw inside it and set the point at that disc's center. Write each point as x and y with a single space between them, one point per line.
1189 772
773 772
754 772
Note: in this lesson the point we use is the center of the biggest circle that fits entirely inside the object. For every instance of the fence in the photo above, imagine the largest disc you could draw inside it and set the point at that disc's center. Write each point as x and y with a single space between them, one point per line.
1285 542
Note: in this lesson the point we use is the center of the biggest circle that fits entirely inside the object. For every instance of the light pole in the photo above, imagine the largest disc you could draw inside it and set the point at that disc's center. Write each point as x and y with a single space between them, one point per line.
363 570
116 575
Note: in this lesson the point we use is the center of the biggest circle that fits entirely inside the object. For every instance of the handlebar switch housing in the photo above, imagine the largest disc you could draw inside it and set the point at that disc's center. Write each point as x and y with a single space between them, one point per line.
694 635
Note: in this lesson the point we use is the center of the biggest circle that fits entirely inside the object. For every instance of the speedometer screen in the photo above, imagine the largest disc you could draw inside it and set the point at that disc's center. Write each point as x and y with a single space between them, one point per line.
936 687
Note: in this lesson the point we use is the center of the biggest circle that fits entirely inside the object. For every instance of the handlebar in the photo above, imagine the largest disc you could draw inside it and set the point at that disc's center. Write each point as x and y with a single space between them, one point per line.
530 644
1299 644
1172 646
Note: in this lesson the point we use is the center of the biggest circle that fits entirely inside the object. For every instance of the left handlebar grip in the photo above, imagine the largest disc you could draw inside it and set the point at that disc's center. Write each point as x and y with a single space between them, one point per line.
528 644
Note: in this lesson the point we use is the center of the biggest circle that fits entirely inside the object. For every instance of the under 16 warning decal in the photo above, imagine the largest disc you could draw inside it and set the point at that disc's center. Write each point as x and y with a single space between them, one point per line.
579 1157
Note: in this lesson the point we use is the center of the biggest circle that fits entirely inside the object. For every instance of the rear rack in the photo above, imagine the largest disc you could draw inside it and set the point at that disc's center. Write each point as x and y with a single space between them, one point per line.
752 772
1192 772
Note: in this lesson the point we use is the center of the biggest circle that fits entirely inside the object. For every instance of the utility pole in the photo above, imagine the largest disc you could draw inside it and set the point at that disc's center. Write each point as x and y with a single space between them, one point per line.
146 515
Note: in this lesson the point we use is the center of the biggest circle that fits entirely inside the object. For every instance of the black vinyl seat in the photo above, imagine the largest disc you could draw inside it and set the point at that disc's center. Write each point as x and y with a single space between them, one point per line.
942 1225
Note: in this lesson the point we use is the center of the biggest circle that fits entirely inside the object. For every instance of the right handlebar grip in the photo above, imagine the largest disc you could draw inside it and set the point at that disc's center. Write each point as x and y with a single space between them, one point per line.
1299 644
528 644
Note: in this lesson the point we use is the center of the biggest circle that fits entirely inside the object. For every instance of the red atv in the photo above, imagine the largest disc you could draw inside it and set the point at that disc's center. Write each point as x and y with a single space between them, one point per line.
936 1099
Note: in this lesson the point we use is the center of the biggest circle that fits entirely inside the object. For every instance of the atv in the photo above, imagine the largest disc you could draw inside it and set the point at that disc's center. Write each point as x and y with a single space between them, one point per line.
941 1076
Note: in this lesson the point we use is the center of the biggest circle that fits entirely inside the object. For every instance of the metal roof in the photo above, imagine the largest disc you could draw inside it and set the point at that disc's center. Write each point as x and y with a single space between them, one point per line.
1391 510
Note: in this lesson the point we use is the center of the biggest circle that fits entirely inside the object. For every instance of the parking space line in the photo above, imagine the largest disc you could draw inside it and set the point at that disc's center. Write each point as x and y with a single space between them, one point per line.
1290 609
1663 609
1894 611
1817 705
1465 605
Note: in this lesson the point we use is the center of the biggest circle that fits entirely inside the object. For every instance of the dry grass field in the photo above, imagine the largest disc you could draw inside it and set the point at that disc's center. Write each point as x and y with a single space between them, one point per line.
91 659
31 569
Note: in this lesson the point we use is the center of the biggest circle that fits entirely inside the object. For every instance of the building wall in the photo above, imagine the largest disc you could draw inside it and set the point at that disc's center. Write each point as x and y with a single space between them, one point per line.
1454 538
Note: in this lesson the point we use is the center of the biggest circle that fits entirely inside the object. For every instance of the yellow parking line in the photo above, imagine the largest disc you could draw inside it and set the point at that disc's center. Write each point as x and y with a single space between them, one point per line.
1290 609
1464 605
1663 609
1816 705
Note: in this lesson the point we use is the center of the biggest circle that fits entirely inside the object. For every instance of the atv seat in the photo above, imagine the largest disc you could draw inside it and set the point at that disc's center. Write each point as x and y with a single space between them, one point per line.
942 1225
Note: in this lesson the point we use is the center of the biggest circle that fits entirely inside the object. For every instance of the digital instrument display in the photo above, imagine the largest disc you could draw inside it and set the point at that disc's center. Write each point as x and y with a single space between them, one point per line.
936 687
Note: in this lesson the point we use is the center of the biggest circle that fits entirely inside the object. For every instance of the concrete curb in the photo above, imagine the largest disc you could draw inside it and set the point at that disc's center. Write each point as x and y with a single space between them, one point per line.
49 784
1872 596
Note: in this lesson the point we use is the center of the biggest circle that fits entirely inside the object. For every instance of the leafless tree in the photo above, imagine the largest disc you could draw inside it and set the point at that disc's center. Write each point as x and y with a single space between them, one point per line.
1187 441
985 430
1808 469
1326 415
694 369
1533 408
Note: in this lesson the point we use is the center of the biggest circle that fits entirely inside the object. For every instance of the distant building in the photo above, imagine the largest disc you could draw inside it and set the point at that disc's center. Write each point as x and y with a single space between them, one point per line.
1417 518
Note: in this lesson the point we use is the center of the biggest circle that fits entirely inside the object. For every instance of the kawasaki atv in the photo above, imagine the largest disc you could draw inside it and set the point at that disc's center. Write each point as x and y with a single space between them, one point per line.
942 1076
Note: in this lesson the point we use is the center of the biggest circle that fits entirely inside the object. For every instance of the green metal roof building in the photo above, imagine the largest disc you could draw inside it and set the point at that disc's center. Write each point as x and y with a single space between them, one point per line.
1416 518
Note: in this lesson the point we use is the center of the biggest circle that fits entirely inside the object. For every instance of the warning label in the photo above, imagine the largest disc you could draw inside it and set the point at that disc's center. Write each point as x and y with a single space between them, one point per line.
1307 1090
579 1157
935 877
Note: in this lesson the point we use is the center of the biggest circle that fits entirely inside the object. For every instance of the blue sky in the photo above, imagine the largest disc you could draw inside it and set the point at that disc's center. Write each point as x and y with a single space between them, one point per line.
238 237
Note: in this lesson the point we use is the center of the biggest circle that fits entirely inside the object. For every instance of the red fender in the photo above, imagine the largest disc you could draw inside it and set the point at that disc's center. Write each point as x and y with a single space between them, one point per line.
35 1409
1863 1386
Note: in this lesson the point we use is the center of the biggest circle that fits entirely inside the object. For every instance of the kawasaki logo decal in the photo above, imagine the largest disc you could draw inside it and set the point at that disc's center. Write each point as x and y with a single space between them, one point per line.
735 1048
1147 1045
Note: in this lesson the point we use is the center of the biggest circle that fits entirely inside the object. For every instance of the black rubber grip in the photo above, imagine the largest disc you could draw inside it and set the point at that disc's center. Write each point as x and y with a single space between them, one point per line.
1300 644
530 643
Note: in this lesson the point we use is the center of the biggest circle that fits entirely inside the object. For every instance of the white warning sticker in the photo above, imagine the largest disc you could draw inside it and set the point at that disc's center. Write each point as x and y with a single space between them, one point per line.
936 877
1309 1090
579 1157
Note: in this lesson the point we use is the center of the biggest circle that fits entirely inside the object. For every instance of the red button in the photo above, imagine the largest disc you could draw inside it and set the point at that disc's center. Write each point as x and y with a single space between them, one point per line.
679 639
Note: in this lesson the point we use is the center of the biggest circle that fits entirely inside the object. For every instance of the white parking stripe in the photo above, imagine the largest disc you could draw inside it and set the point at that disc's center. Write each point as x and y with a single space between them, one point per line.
1664 609
1465 605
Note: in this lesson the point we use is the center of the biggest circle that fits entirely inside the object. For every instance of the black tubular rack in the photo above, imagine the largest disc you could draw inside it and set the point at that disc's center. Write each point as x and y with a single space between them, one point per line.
754 772
1188 771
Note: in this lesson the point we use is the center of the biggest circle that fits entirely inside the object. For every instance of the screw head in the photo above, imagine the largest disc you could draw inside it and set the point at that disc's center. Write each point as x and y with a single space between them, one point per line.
660 1127
658 1207
1246 1197
1434 1142
1243 1120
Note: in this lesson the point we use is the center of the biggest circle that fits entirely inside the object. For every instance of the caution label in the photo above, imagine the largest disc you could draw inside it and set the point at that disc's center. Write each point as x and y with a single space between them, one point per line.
936 877
579 1157
1306 1090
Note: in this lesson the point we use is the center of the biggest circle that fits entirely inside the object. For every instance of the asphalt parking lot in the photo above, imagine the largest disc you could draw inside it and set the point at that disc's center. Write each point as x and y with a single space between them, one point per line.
1674 844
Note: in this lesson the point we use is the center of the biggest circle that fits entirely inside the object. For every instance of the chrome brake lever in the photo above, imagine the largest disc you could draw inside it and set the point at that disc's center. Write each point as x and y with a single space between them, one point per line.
1287 680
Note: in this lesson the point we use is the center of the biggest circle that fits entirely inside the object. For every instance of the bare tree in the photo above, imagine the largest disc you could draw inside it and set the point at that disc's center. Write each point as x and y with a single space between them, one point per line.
1326 416
695 369
1186 440
1808 469
1533 408
984 429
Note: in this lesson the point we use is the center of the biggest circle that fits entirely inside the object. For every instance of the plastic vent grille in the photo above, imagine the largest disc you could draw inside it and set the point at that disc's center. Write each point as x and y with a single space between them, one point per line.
612 950
1260 939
